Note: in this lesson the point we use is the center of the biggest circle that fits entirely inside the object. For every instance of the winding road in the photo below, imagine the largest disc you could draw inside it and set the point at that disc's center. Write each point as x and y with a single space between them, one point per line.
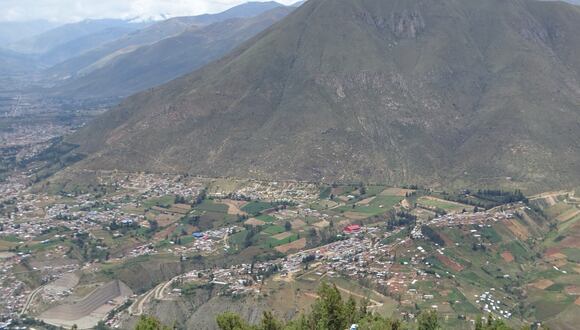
30 299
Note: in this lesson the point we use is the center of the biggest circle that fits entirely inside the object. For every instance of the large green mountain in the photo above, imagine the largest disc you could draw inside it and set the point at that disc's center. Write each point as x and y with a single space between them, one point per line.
450 92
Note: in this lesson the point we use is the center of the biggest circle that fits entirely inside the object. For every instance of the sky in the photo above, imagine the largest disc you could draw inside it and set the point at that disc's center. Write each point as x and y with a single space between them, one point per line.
65 11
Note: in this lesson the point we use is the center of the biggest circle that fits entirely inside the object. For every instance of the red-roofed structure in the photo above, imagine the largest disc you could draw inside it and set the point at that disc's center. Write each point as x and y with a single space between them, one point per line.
351 229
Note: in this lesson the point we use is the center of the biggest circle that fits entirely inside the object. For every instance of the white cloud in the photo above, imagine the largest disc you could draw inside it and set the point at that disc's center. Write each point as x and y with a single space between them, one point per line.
75 10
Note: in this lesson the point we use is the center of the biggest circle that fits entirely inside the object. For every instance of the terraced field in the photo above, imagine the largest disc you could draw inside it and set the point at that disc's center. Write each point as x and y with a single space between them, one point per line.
98 299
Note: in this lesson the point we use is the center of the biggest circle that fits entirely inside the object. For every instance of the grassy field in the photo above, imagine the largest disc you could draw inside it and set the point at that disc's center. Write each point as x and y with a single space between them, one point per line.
273 230
237 238
460 304
519 252
213 215
209 205
572 254
447 206
255 208
271 242
549 304
165 201
266 218
490 234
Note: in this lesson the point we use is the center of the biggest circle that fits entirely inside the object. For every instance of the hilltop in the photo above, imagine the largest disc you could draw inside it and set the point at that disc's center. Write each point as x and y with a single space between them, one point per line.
459 93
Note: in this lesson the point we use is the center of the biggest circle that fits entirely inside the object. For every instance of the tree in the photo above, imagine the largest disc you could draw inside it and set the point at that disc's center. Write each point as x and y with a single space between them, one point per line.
269 322
150 323
153 226
363 310
288 226
350 311
328 311
231 321
429 321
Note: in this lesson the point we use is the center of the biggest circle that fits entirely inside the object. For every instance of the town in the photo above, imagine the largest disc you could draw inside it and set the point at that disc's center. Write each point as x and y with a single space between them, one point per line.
397 247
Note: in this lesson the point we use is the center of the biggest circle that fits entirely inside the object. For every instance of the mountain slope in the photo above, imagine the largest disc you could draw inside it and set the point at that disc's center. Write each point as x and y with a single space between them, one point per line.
49 40
152 65
127 43
462 92
25 30
78 46
14 64
101 56
248 9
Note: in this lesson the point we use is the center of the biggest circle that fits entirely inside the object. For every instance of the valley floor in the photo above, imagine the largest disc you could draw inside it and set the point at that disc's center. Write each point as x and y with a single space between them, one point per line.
187 248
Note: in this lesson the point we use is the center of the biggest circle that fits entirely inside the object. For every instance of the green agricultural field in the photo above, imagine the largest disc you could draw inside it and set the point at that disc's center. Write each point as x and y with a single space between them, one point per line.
519 252
549 304
550 274
490 234
556 287
238 238
266 218
374 190
273 230
477 278
256 207
572 254
460 304
210 220
209 205
213 215
271 242
165 201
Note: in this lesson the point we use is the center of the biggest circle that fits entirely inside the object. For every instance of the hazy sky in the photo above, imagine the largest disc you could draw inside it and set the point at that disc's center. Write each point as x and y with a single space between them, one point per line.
75 10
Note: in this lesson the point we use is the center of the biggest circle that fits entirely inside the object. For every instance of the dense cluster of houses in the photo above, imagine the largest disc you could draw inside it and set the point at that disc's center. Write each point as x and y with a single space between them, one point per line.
277 191
12 291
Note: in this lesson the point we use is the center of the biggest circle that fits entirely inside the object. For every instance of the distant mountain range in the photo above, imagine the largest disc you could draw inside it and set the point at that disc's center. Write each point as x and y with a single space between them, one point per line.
74 38
450 93
161 51
11 32
114 70
72 47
